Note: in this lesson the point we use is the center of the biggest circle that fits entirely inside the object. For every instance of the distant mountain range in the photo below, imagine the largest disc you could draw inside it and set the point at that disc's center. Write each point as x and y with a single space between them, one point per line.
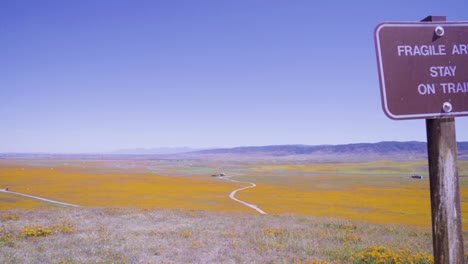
410 148
154 151
391 150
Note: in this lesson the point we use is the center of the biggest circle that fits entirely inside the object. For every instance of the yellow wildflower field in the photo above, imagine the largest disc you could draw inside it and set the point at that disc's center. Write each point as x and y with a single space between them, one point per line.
113 190
8 202
401 204
312 189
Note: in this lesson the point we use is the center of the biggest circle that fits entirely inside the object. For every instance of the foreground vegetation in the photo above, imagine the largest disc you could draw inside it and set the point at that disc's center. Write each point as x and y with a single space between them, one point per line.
132 235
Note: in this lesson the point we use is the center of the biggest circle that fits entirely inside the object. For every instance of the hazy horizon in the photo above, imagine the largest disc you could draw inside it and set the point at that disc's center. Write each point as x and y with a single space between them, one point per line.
176 150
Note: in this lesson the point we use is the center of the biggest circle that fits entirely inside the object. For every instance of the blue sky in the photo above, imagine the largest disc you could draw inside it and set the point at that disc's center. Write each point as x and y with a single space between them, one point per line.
97 76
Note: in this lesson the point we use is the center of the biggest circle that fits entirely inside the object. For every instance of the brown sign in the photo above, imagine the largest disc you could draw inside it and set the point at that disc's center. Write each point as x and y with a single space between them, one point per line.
423 69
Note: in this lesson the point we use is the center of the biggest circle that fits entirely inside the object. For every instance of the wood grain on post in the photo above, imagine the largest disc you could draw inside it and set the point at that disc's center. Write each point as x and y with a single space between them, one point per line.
447 234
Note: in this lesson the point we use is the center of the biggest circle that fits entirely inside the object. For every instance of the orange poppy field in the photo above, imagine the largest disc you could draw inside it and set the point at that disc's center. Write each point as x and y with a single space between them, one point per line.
380 192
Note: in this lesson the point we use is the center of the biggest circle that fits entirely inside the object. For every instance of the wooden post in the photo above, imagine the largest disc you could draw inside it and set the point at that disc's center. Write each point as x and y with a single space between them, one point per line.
447 233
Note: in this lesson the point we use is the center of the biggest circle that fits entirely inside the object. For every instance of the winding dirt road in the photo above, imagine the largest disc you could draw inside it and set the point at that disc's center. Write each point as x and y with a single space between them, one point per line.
39 198
233 193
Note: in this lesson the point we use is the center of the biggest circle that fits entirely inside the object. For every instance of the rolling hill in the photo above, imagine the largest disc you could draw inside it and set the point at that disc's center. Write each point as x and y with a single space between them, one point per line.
389 149
393 150
377 148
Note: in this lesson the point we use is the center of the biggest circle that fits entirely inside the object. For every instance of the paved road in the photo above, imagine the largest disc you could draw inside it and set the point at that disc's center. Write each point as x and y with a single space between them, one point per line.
40 198
233 193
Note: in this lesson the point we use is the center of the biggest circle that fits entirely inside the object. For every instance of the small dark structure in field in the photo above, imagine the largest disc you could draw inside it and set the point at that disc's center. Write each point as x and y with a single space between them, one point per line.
7 189
417 177
219 175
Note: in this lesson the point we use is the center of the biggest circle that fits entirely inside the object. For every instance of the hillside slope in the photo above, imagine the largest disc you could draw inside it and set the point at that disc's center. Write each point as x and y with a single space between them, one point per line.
386 147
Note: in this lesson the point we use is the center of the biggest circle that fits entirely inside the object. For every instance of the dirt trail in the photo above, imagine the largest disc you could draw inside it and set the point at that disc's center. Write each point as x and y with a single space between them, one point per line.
233 193
39 198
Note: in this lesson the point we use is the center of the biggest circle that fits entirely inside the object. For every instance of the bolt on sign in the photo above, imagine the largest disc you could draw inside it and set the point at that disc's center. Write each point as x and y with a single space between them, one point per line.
423 69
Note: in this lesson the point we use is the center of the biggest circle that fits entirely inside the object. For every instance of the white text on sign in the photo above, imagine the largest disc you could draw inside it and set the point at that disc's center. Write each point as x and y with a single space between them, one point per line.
437 71
442 71
431 50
